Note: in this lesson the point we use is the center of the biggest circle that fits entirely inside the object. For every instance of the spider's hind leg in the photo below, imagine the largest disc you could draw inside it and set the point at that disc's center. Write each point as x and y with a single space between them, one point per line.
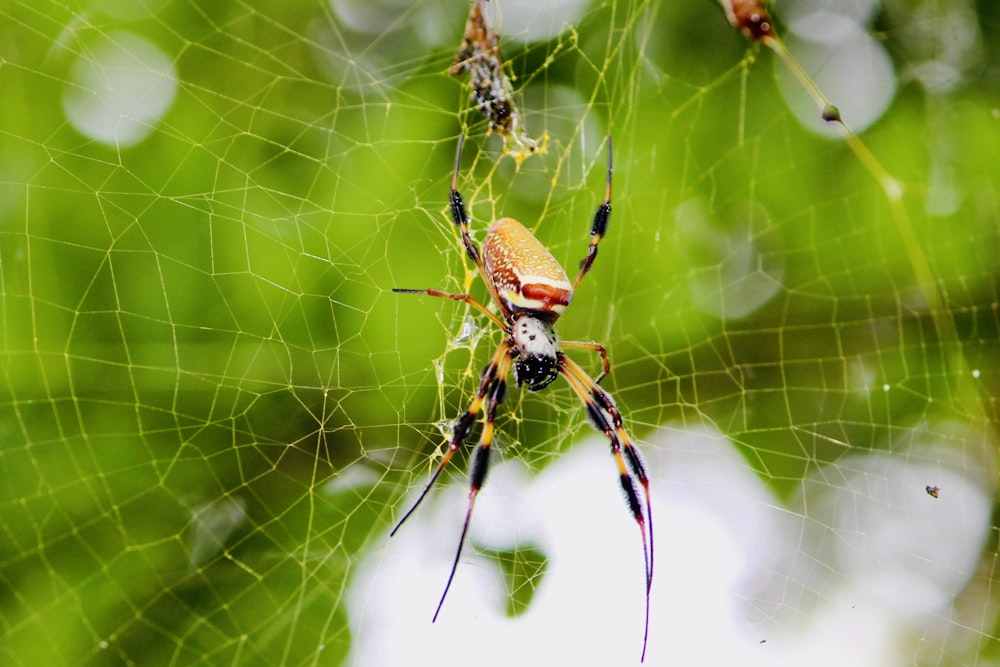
458 212
599 226
461 218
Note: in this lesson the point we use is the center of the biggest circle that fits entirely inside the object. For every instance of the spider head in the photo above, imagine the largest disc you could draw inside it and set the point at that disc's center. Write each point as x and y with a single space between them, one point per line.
537 363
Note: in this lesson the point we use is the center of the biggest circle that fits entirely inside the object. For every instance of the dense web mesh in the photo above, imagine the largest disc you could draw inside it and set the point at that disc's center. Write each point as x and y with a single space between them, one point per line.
213 409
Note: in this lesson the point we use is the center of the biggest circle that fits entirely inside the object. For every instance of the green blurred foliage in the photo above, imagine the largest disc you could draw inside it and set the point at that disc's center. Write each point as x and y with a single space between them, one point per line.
205 317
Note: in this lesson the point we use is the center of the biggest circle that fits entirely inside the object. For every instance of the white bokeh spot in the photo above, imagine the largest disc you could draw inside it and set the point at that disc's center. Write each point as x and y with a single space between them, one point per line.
737 573
732 272
850 66
119 91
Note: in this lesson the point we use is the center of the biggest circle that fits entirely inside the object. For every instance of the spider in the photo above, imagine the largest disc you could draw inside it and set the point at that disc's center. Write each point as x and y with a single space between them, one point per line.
531 290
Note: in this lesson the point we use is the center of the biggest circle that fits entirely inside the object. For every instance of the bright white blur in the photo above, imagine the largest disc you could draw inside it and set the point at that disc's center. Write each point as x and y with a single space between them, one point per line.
741 577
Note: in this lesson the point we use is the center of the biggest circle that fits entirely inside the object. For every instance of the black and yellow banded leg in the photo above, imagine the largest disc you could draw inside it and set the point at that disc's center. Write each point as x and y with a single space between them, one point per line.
480 464
599 226
463 425
604 420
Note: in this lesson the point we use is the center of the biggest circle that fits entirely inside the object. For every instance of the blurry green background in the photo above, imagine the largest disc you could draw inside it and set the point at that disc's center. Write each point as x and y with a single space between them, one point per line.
211 404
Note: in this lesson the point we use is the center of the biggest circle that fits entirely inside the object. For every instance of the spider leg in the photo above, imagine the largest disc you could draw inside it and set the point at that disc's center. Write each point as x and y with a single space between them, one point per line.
604 401
461 218
480 465
463 425
593 347
599 227
458 212
457 297
604 415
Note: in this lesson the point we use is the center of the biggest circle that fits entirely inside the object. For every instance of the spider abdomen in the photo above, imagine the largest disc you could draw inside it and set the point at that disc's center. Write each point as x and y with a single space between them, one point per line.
526 275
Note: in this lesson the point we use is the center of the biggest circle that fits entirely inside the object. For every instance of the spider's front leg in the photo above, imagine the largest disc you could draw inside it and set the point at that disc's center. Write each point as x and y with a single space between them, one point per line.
463 425
480 464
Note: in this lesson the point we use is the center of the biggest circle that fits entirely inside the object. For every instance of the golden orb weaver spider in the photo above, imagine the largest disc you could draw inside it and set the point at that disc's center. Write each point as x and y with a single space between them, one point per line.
531 290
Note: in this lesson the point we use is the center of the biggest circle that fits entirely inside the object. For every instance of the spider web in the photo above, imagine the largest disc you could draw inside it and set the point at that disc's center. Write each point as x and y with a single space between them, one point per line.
213 409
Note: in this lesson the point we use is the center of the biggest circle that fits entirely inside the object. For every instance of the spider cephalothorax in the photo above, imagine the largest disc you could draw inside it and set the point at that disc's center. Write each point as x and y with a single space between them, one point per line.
537 363
531 290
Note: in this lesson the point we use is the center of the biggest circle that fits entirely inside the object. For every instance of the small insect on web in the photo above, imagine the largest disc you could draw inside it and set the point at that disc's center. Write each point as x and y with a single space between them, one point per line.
492 91
531 290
